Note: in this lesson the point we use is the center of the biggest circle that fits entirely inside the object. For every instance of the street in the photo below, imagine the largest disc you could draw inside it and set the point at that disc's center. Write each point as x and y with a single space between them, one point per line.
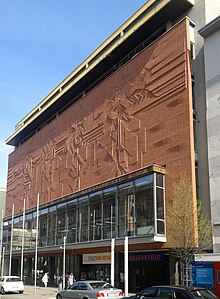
29 292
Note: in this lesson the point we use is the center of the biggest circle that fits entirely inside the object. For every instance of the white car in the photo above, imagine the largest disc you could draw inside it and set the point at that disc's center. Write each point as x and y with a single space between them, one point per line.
10 284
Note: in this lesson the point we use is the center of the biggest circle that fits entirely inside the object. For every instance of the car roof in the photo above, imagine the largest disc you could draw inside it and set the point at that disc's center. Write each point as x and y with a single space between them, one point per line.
91 281
179 287
10 276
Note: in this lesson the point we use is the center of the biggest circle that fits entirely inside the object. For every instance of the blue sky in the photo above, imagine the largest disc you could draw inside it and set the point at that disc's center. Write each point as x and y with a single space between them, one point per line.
41 42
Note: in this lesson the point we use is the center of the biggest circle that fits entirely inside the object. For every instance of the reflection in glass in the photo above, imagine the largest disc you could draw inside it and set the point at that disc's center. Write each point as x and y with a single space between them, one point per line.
109 213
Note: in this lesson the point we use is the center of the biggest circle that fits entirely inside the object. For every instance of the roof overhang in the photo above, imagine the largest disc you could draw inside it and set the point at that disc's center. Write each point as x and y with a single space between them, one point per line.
210 28
207 257
144 22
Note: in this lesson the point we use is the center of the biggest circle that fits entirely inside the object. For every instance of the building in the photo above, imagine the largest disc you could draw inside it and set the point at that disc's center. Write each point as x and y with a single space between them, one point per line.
104 147
211 34
2 214
2 199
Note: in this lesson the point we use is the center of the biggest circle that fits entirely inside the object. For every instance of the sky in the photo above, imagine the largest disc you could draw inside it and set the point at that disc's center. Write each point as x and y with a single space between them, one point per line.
41 43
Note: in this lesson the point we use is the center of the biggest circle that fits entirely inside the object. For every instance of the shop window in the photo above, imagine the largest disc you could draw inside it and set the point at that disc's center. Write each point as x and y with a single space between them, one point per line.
160 211
126 209
72 221
126 215
83 213
95 219
144 211
109 213
51 225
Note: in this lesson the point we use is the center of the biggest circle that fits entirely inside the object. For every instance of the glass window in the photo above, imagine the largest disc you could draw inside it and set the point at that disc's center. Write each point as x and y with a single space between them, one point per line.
30 232
126 215
6 235
144 203
51 226
143 182
33 230
149 292
17 233
95 219
165 293
61 223
125 188
72 221
83 213
203 294
159 179
160 204
43 230
109 213
179 295
160 211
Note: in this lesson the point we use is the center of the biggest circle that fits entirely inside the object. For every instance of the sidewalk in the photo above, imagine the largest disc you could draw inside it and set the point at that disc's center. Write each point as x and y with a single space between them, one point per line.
49 291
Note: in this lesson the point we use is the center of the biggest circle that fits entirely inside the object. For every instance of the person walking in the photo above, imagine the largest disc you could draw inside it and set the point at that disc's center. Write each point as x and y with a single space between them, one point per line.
45 279
71 279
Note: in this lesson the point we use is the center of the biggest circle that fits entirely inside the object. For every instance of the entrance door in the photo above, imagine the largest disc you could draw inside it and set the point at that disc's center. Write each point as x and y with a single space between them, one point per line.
143 275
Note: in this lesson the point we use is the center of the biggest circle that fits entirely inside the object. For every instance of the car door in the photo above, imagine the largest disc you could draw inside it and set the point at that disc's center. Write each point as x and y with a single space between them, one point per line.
83 291
72 291
180 295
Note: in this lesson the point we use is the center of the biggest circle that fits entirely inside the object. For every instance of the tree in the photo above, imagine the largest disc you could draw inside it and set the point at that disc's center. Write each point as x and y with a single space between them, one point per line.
189 228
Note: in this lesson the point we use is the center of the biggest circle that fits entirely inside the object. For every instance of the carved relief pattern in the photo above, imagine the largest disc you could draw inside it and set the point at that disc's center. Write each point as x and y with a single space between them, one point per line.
110 131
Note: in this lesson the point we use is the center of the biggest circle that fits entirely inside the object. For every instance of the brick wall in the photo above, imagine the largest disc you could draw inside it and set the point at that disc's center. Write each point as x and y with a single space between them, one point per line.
138 116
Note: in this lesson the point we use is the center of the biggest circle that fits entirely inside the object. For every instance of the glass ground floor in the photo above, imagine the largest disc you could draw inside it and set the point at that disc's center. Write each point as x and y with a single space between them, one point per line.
145 268
131 206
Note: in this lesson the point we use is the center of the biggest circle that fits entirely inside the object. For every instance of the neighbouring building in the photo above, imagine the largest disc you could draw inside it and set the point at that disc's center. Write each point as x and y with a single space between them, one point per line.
211 34
2 199
102 151
2 214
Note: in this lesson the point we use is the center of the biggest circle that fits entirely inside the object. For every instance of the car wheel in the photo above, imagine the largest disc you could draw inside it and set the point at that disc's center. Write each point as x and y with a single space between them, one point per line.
21 292
2 291
59 296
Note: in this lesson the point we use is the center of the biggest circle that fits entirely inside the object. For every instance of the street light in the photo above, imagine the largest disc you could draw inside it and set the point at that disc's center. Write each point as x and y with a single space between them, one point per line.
65 232
3 261
64 260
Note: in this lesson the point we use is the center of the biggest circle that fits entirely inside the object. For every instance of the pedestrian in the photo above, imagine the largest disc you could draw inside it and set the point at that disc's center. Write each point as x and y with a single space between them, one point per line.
71 279
45 279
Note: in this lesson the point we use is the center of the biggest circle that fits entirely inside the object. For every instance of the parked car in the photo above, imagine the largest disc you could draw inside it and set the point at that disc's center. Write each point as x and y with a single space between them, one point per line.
175 292
10 284
90 289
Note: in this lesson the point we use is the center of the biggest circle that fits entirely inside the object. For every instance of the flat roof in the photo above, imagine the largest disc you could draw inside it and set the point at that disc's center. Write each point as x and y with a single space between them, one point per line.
146 20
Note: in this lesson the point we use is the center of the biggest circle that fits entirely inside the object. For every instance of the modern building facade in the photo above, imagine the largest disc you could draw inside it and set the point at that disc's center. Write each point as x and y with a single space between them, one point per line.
211 34
101 153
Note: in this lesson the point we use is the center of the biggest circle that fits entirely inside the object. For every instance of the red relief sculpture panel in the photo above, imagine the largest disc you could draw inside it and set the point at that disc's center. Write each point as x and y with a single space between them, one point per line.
138 116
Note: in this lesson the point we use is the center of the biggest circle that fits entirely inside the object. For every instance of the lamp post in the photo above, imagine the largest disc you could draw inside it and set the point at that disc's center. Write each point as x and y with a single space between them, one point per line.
3 261
64 232
64 260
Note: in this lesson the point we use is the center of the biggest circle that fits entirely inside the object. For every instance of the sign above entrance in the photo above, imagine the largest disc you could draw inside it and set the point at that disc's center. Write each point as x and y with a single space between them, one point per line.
99 258
146 256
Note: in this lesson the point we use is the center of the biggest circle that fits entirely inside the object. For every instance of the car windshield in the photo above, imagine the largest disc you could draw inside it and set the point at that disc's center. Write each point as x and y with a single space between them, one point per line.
101 285
203 294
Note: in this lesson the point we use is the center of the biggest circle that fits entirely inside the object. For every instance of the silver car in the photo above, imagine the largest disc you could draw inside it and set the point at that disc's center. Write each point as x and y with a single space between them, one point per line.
90 289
